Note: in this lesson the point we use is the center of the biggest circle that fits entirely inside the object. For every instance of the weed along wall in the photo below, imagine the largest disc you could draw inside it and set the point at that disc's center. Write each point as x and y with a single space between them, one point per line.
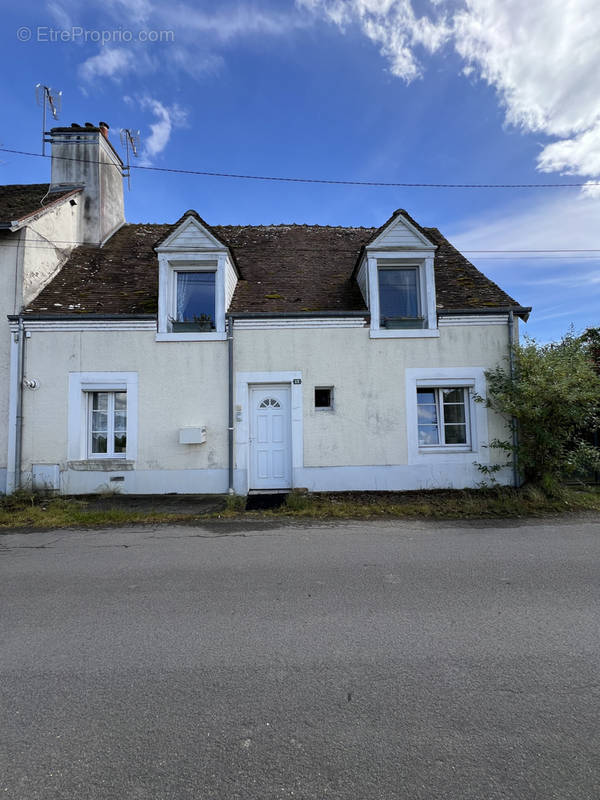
360 442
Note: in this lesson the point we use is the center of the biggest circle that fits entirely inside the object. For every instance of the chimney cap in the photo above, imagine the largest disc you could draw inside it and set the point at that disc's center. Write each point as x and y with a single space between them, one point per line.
103 125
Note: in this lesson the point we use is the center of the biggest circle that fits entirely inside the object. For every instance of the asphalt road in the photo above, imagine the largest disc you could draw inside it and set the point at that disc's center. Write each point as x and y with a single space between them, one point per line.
358 661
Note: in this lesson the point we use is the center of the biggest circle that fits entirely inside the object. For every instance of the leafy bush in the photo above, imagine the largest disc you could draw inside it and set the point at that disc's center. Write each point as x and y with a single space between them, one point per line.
554 396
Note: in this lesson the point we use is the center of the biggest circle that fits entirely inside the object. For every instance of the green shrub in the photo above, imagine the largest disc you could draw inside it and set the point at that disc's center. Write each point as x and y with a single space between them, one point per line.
553 395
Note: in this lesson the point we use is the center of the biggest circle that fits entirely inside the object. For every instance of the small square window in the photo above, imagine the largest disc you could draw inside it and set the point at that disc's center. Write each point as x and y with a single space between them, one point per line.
323 396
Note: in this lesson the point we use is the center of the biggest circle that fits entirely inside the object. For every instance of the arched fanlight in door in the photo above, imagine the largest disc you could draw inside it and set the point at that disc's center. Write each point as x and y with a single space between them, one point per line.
269 402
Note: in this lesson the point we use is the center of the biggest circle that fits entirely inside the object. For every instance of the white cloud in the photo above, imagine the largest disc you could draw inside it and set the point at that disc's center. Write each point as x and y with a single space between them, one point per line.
563 220
541 57
229 23
579 155
110 62
60 16
167 119
543 60
390 24
195 36
193 63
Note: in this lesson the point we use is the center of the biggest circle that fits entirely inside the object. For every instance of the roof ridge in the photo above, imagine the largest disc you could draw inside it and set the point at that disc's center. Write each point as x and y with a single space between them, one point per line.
265 225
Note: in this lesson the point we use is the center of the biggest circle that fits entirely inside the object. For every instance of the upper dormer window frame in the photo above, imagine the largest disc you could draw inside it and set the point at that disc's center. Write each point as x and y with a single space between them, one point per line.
400 244
174 258
422 260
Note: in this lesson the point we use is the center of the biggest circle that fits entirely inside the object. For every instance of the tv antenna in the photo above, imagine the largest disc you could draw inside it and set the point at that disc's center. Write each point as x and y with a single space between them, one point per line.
130 141
48 99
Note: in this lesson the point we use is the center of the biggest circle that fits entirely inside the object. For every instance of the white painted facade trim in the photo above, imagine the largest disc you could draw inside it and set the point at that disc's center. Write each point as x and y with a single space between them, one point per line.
314 322
169 264
394 477
144 481
383 478
473 319
83 324
202 233
77 421
209 336
424 261
243 382
472 378
397 222
363 282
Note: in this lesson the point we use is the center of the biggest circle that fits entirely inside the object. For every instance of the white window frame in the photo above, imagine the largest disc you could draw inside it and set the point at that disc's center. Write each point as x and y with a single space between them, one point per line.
419 259
110 429
81 385
392 267
441 422
470 378
169 265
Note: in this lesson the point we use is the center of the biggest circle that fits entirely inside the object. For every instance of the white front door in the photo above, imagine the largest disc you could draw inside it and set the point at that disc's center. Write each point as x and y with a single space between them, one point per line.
270 437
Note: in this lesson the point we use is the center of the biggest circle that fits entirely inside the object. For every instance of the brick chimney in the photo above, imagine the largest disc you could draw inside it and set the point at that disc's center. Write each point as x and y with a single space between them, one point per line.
82 155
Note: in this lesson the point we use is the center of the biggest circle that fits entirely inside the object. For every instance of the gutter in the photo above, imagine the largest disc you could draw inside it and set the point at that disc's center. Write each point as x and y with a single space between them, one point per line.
520 311
296 314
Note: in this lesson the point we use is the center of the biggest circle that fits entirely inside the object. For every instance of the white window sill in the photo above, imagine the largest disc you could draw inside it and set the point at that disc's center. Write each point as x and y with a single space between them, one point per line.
444 450
407 333
211 336
101 465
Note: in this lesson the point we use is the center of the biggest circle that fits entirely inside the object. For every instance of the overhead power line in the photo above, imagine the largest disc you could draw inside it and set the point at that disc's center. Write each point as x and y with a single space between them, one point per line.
486 255
592 254
326 181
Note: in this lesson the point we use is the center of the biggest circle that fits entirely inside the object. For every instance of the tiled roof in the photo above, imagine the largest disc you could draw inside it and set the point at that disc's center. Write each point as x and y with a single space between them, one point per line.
283 268
18 201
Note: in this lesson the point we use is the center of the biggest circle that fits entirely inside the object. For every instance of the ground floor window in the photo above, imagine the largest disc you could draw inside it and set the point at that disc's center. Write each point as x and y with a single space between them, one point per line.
443 416
102 417
107 424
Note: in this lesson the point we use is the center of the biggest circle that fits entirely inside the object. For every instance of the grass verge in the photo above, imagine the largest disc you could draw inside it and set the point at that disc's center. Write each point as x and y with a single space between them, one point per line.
501 502
35 511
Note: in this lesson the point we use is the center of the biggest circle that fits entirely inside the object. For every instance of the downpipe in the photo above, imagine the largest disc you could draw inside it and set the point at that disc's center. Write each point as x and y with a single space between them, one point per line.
513 422
19 414
230 400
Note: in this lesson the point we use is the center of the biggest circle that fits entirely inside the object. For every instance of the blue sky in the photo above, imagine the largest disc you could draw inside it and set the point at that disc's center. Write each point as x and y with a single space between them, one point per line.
464 91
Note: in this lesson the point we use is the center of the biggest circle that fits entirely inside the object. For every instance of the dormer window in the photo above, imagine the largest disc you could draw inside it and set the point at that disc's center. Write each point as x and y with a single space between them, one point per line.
399 297
196 280
397 281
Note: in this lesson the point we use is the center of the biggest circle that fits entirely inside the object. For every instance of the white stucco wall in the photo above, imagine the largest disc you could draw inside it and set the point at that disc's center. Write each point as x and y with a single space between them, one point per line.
29 259
362 442
49 239
182 384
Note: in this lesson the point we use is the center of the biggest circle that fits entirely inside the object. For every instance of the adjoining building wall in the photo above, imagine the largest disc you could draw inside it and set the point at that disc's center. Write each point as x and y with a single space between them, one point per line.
11 257
49 240
362 442
29 259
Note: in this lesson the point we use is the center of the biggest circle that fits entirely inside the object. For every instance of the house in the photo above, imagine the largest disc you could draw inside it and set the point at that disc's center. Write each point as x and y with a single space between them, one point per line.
191 357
